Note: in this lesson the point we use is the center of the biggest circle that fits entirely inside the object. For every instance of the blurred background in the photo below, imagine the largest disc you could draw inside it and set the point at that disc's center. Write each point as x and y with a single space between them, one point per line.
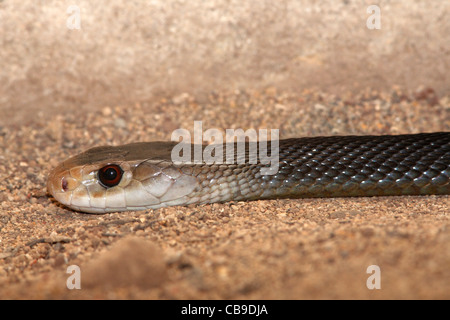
128 51
137 70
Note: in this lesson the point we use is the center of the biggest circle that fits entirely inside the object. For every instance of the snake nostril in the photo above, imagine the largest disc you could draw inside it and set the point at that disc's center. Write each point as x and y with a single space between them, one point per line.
64 184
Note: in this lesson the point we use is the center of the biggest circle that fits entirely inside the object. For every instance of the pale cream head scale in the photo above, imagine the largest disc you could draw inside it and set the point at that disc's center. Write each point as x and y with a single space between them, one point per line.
111 179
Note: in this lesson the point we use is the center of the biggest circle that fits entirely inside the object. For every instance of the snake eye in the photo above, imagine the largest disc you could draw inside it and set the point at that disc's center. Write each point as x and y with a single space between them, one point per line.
110 175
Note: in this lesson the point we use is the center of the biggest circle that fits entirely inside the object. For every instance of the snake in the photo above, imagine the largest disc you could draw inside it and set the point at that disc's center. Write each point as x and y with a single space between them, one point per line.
142 175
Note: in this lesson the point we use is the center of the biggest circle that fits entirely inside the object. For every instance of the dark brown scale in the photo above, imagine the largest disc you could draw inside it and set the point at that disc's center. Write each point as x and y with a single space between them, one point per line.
340 166
344 166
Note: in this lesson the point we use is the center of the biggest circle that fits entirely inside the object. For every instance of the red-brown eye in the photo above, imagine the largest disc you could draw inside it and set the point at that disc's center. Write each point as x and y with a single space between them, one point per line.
110 175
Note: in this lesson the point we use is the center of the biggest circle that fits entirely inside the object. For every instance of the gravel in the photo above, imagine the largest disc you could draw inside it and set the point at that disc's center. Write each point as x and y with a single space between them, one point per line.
281 249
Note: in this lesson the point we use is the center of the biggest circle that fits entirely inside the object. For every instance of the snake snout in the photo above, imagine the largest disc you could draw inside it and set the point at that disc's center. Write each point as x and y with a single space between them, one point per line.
60 185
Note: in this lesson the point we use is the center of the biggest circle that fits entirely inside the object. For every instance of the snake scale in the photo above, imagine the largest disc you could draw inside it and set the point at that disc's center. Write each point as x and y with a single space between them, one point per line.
142 175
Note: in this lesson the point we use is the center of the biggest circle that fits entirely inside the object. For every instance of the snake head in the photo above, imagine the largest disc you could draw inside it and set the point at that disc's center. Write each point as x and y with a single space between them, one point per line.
111 179
80 188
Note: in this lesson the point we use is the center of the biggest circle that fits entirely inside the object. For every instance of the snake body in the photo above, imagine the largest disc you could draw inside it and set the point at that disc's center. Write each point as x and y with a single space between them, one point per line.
338 166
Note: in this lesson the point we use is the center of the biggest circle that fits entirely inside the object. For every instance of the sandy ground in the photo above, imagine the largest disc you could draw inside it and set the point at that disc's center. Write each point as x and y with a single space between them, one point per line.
281 249
136 71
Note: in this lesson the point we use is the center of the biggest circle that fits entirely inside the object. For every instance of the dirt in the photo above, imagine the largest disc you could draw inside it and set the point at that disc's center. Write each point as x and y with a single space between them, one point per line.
136 71
280 249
